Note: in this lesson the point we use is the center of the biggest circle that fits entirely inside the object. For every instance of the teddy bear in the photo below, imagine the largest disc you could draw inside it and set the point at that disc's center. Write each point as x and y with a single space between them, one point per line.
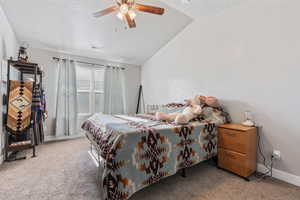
193 110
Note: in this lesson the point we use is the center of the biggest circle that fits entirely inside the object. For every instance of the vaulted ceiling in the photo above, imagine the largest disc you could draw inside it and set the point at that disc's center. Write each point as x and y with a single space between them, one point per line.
198 8
68 26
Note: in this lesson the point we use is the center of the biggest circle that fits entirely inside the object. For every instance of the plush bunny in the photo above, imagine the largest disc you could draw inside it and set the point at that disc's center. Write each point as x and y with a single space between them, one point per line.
193 110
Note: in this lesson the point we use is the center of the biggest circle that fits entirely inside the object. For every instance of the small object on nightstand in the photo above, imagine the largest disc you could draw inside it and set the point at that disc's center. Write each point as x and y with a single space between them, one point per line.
237 149
248 119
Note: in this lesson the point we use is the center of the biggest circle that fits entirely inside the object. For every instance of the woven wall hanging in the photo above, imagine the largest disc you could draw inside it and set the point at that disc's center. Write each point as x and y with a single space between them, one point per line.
19 106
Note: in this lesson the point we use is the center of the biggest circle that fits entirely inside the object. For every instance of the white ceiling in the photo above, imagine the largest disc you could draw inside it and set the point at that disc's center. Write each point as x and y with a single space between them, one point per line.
68 26
199 8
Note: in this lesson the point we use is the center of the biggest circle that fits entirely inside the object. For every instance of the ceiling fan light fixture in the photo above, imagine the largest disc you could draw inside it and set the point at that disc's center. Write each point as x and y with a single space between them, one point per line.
120 16
127 11
131 14
124 8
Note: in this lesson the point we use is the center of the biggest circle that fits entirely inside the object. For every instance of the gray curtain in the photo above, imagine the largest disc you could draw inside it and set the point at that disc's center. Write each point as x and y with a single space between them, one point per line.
114 94
66 102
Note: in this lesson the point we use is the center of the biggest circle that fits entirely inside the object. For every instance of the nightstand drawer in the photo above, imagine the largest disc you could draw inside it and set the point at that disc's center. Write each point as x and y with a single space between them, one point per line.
232 161
232 140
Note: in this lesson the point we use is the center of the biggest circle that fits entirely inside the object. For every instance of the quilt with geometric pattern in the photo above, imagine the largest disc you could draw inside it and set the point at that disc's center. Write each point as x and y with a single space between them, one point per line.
139 150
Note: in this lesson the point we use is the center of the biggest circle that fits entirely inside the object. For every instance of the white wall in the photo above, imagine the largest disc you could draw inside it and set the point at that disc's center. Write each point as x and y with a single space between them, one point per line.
8 48
249 57
44 59
9 44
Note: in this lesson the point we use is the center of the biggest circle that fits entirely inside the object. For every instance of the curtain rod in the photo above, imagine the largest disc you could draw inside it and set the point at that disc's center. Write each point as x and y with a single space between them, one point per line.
55 58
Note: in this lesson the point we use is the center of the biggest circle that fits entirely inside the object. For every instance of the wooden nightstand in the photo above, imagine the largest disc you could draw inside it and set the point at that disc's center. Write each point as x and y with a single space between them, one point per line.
237 149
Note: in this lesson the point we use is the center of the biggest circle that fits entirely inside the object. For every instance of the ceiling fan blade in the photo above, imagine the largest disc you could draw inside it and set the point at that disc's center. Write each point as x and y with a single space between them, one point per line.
150 9
105 11
131 22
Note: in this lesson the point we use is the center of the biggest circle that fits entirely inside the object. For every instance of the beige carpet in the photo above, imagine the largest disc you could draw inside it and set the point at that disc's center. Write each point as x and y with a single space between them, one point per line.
64 171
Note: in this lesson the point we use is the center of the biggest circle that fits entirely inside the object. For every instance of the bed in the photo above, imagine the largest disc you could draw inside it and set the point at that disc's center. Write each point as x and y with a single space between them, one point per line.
137 151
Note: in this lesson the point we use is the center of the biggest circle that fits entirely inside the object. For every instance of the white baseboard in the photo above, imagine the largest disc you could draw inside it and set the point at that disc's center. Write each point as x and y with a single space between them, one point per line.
281 175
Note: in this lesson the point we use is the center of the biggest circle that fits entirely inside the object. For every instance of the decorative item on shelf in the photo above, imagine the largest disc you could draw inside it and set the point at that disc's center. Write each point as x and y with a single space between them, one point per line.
248 119
19 106
22 57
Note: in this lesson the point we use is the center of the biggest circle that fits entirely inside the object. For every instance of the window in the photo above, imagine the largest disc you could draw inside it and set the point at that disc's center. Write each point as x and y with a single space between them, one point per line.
90 90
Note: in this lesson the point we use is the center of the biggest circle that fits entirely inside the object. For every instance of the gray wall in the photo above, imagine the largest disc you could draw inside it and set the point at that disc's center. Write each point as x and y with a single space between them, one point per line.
249 57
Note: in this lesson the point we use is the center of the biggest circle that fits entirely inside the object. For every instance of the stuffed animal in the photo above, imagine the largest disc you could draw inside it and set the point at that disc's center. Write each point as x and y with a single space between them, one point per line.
193 110
210 101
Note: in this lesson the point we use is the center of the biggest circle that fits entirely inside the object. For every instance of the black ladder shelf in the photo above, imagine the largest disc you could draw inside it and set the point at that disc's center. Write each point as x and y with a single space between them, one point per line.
23 68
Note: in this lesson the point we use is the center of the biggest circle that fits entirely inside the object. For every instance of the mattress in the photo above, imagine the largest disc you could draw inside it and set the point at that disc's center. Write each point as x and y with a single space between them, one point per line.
139 150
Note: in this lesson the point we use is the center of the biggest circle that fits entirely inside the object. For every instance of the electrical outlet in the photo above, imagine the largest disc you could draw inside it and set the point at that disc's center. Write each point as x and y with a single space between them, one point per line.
276 154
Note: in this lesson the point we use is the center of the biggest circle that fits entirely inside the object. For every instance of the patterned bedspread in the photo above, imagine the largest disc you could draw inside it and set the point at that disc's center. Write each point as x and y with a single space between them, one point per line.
139 151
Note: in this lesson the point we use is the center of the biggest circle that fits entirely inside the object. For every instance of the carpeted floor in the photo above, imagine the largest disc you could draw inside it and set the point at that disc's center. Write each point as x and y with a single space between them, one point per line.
64 171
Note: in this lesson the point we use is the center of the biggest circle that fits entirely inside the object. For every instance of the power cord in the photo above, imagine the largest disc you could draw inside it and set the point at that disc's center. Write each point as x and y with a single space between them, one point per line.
269 172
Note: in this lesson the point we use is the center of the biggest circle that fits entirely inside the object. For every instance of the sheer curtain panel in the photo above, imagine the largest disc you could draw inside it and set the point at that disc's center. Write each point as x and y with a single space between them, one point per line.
114 95
66 102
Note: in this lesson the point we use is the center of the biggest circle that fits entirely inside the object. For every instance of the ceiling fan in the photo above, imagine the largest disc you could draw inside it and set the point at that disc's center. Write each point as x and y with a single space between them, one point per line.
127 11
